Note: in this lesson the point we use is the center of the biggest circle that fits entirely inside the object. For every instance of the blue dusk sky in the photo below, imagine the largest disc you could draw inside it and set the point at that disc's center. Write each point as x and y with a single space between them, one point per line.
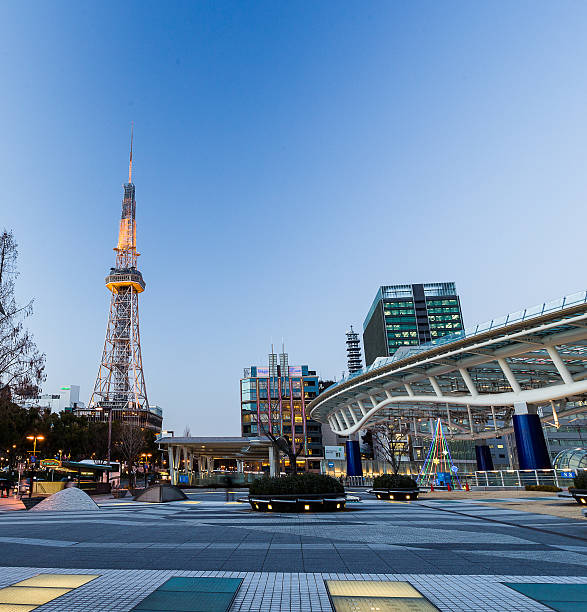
290 158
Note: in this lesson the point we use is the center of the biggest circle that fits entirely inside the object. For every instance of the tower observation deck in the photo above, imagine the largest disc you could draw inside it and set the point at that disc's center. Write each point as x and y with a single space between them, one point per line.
120 385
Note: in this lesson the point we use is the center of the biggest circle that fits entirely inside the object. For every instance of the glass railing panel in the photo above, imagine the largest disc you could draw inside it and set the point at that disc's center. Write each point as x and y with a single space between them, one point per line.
546 477
575 298
553 305
499 322
527 477
518 315
510 478
534 311
494 479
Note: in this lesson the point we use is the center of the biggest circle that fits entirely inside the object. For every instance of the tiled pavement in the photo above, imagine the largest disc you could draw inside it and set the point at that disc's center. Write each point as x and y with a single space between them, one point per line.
457 553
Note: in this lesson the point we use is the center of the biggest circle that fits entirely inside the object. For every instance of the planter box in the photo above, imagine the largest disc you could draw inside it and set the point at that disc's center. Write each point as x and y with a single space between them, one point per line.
396 494
310 502
580 495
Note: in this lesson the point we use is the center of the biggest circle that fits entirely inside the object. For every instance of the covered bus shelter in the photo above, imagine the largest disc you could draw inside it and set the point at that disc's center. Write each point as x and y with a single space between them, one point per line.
191 458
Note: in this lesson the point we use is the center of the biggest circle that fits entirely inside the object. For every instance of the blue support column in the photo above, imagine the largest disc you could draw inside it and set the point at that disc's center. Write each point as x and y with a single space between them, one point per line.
484 458
530 443
353 459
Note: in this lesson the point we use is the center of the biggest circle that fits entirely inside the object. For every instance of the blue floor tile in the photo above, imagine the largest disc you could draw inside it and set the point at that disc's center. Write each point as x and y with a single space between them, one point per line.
562 597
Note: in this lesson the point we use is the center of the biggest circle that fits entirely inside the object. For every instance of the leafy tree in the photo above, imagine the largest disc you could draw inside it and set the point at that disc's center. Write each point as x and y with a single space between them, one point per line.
22 367
283 444
390 441
131 443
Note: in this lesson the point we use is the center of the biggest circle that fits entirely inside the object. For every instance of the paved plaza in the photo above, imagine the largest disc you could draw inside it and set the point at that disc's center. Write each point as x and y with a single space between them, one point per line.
457 553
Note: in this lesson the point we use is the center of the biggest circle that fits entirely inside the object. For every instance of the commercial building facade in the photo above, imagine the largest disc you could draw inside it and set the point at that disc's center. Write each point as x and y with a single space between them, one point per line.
149 418
410 315
274 400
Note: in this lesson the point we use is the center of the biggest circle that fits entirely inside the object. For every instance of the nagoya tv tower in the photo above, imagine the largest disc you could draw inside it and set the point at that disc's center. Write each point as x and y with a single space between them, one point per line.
120 385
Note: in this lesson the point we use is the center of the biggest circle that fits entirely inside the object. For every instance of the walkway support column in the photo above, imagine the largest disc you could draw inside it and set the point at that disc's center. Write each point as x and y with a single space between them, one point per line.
201 465
484 458
172 465
530 442
273 461
353 458
210 465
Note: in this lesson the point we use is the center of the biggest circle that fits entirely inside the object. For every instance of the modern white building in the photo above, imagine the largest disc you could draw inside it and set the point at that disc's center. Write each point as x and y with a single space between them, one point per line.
65 399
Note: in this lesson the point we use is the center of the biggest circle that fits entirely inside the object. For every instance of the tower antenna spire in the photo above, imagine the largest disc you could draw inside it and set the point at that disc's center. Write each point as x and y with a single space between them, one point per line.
130 161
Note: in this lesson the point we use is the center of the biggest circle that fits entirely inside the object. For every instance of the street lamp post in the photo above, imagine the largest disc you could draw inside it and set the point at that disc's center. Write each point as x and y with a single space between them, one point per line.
34 439
109 436
146 457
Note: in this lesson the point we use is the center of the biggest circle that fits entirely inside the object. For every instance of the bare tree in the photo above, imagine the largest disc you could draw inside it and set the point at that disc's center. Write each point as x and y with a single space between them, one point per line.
132 441
391 441
283 444
187 432
21 365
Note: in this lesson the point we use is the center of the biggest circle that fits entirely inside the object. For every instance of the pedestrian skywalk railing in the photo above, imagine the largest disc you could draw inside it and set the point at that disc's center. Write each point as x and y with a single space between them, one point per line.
515 317
495 478
521 478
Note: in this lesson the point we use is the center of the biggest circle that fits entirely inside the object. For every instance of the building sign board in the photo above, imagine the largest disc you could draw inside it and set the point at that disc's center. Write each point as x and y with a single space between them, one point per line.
50 463
334 452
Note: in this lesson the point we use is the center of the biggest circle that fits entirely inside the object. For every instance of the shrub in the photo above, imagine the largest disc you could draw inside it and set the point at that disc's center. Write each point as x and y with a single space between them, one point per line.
547 488
296 484
394 481
581 480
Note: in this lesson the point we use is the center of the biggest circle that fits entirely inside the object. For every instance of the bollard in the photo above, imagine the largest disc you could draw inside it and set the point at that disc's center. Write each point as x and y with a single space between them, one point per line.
448 487
466 486
431 488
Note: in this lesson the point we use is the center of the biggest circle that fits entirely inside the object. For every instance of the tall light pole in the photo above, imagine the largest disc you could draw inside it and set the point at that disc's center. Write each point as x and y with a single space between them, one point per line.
34 438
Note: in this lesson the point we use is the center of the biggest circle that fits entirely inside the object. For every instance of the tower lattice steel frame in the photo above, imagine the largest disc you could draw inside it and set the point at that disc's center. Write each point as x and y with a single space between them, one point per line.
120 384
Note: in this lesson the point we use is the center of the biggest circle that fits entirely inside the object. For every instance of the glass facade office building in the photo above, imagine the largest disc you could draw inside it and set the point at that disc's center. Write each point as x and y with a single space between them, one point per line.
274 398
410 315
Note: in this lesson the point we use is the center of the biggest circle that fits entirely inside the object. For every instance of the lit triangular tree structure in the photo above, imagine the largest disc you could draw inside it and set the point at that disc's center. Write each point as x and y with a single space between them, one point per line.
438 461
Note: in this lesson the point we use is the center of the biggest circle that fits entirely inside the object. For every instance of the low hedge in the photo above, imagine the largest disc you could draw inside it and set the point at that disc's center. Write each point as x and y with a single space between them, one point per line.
581 480
296 484
547 488
394 481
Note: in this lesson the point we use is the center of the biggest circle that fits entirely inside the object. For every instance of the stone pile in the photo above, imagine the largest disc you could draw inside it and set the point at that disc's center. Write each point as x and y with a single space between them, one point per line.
67 499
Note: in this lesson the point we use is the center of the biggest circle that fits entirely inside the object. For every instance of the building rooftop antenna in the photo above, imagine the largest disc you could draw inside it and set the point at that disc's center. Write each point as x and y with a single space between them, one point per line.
130 161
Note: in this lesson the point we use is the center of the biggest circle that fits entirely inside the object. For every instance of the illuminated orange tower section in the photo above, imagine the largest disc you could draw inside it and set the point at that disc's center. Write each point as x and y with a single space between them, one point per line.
120 384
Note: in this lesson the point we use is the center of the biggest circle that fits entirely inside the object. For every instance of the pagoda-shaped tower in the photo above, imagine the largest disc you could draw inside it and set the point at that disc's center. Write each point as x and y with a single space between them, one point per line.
353 351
